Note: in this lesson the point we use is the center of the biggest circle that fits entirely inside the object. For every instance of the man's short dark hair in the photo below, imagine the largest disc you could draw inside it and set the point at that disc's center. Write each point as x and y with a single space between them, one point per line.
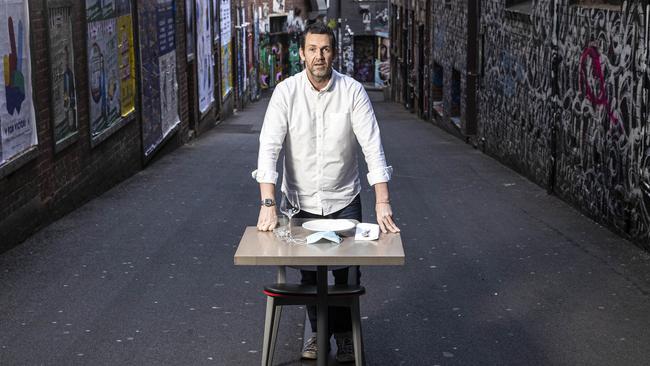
318 28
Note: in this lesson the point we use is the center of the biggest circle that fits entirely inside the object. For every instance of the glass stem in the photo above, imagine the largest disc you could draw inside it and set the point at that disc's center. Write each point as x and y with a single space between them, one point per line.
290 236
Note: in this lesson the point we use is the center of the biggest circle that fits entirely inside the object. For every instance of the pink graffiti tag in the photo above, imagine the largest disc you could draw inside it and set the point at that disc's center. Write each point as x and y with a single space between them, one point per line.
592 53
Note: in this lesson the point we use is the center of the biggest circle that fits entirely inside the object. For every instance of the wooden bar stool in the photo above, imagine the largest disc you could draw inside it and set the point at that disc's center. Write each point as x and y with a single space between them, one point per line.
282 294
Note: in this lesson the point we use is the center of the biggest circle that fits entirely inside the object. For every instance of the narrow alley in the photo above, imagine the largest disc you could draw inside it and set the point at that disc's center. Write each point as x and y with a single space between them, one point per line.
497 271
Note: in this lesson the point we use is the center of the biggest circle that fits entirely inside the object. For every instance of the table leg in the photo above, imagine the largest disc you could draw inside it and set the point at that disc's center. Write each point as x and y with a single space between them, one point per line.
282 274
323 327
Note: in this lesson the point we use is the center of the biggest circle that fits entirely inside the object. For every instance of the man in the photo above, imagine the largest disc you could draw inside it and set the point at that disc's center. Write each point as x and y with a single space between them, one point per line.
318 116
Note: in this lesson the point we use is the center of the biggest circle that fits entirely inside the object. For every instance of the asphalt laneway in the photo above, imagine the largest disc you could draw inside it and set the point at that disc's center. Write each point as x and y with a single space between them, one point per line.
497 271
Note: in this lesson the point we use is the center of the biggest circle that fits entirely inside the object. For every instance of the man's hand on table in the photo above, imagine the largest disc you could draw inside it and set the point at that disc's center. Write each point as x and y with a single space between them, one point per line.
385 218
268 219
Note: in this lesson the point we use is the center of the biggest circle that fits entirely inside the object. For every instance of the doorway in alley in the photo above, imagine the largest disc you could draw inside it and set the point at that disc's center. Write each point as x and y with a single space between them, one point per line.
365 49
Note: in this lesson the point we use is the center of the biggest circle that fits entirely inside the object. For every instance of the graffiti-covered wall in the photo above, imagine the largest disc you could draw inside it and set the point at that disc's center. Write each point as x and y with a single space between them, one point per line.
564 99
278 26
602 100
364 35
515 109
365 17
449 45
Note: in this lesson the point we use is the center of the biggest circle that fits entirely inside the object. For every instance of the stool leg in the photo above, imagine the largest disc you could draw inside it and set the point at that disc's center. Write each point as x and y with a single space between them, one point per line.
274 332
357 337
268 327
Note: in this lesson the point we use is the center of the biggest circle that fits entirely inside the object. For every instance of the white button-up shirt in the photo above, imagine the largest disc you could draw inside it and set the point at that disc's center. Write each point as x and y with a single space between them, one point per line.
319 131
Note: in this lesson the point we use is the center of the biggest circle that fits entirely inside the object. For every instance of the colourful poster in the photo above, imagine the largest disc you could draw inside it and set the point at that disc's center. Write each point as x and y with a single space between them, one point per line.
265 61
126 61
205 57
226 49
254 56
294 55
226 69
104 75
63 82
17 119
111 63
158 63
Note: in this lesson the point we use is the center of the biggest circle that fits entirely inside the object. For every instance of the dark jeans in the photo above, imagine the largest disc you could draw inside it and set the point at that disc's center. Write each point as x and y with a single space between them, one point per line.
340 320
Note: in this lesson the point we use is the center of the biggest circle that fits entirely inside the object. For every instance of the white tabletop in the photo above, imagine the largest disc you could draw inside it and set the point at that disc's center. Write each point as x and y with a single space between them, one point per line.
264 248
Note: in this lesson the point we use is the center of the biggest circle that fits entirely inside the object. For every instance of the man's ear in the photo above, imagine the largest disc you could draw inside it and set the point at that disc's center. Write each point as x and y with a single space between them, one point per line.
302 54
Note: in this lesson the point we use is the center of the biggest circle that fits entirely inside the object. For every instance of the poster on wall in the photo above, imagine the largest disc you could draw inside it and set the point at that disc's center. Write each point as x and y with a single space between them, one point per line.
253 51
205 57
348 52
382 65
294 55
226 49
265 61
189 29
244 50
278 6
111 63
158 64
63 83
126 61
215 10
239 59
17 119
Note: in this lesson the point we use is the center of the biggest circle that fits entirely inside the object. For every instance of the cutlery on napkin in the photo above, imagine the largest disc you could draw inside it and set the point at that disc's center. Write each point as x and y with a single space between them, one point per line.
365 231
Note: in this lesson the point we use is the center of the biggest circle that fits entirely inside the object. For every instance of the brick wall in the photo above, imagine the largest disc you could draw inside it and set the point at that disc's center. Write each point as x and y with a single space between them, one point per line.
563 96
449 45
564 101
515 110
184 109
52 184
425 33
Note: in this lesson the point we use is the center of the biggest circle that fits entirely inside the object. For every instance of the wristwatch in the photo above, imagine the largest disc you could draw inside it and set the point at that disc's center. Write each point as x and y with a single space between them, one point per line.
268 202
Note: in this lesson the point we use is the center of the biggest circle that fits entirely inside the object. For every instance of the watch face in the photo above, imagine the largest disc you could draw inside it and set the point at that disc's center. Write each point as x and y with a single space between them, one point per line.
268 202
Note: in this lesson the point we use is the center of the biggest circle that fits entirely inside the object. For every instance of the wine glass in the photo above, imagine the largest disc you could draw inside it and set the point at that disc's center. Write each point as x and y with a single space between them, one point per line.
289 206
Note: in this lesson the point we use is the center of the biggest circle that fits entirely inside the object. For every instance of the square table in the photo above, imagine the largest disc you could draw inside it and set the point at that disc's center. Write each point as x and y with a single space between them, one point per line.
264 248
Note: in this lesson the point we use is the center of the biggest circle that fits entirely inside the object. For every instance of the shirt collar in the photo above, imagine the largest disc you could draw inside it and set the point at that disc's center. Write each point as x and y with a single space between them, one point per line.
329 85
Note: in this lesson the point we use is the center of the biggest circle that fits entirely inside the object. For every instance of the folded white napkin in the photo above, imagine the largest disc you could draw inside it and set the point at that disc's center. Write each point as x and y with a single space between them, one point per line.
371 231
327 235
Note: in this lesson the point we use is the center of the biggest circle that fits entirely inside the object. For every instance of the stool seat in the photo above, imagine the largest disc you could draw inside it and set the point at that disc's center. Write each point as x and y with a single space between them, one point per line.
291 289
279 295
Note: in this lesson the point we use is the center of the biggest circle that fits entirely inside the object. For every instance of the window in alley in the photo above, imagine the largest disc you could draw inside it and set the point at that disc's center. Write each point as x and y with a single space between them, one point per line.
519 9
278 24
437 89
600 4
454 113
524 6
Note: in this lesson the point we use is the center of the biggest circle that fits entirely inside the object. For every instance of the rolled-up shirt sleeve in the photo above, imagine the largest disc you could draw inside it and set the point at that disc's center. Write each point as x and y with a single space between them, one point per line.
366 129
274 130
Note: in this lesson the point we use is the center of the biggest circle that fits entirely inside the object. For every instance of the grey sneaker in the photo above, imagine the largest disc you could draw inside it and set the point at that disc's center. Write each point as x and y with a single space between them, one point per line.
310 348
345 347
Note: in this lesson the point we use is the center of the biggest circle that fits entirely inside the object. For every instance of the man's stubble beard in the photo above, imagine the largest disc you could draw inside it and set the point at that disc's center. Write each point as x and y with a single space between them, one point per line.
321 76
